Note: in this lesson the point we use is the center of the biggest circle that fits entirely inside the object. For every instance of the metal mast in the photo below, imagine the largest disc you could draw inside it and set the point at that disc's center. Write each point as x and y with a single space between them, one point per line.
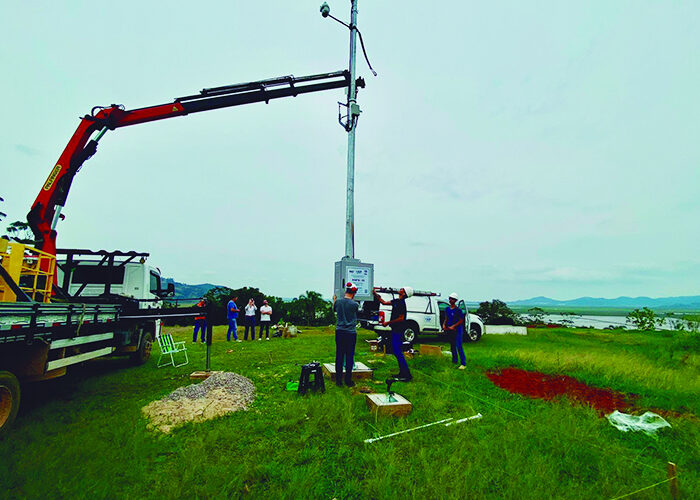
353 114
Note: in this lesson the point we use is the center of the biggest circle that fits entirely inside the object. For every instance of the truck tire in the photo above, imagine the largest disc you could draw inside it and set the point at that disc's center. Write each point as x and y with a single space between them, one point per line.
410 332
9 400
144 351
474 333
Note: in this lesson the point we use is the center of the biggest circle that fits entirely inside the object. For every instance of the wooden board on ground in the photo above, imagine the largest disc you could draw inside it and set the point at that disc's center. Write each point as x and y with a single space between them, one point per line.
201 375
361 371
380 405
431 350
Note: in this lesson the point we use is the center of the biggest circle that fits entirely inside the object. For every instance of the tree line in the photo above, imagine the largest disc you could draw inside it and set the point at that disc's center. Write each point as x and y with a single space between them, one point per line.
309 309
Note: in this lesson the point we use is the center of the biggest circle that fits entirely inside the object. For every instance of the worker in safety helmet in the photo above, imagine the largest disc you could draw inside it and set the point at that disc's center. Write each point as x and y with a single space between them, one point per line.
454 327
397 323
345 334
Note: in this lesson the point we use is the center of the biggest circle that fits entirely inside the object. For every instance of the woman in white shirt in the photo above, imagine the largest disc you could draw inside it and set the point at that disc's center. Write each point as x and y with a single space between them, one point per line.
250 319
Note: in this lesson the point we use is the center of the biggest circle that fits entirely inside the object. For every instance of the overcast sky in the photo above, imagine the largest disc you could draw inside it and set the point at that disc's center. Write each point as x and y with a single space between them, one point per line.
506 149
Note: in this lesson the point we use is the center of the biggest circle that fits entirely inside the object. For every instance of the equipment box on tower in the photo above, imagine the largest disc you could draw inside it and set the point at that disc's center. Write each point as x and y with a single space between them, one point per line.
360 273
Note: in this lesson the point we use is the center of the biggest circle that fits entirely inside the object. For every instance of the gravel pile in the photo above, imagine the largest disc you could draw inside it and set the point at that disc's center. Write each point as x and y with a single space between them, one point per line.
222 393
231 383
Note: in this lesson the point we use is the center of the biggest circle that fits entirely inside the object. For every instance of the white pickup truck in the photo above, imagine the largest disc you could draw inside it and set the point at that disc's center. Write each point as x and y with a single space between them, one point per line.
425 313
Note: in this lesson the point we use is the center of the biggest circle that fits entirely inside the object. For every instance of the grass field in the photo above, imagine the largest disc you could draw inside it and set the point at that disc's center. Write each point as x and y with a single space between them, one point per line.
83 436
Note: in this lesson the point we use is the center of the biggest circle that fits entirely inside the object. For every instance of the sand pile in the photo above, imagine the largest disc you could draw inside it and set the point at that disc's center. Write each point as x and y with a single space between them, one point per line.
222 393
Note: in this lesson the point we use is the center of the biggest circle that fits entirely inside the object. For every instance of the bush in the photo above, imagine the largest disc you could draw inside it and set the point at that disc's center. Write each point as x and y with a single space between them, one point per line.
496 312
644 319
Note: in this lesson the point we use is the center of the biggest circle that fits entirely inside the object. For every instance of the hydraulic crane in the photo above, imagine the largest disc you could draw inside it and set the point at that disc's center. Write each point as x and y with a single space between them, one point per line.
46 210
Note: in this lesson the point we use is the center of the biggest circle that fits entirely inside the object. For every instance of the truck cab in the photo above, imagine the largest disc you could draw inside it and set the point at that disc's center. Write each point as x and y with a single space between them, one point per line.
424 315
84 274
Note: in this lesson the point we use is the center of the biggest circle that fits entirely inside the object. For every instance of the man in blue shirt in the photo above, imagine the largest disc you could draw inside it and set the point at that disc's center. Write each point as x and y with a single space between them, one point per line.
345 334
397 322
232 315
454 327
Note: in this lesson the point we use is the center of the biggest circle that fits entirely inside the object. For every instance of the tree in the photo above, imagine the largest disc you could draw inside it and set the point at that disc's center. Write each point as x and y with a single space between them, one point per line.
20 231
309 308
536 316
496 312
644 319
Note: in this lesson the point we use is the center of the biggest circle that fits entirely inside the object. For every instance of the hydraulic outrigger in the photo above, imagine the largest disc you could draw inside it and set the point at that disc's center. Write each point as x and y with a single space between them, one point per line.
46 210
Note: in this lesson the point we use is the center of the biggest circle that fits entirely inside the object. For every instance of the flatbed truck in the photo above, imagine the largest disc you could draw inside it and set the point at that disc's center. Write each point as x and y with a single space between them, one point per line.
49 320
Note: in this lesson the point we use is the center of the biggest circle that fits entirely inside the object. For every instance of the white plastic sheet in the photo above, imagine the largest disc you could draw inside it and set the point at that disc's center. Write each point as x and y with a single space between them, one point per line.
649 422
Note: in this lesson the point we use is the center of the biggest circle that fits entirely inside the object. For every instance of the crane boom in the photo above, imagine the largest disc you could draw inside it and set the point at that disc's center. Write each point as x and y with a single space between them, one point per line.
45 211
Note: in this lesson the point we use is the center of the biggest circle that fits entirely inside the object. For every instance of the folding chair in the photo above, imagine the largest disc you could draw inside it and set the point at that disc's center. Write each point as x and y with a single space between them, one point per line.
168 347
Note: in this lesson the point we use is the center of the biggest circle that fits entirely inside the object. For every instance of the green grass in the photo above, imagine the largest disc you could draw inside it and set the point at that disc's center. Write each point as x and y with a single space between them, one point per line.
83 436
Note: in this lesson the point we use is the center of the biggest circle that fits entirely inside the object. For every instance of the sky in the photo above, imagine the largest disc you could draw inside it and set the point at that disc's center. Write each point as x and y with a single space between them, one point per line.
505 149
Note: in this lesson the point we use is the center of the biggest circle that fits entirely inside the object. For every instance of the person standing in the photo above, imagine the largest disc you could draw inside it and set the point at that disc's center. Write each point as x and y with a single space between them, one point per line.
454 326
345 334
397 324
232 314
265 317
200 321
250 319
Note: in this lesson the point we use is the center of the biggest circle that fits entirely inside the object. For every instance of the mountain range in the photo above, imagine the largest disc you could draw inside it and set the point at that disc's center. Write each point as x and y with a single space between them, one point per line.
688 302
186 291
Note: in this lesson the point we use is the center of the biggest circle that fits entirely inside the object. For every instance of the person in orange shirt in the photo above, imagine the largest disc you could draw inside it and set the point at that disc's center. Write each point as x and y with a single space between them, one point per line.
200 322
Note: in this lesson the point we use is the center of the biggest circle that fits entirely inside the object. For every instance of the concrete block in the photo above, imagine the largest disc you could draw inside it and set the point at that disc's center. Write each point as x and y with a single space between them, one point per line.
361 371
379 404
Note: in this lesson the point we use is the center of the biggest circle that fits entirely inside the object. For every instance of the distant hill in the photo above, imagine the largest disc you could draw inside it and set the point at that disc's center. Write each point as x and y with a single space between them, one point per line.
686 302
185 291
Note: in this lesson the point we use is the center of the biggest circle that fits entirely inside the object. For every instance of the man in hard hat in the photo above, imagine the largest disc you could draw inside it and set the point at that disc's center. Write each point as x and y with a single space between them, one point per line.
454 327
345 334
397 323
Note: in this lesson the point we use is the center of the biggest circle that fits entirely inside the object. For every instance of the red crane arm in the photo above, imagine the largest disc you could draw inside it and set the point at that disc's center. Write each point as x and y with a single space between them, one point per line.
45 211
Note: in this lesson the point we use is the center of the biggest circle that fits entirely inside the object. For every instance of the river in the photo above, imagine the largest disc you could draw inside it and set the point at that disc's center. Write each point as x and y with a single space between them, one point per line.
598 322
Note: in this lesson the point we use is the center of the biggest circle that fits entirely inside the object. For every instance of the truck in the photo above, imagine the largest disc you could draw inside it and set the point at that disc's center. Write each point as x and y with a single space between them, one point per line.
111 305
425 314
60 307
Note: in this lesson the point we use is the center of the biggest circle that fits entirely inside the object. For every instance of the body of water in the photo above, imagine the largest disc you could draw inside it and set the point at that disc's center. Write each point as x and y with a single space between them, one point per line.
598 322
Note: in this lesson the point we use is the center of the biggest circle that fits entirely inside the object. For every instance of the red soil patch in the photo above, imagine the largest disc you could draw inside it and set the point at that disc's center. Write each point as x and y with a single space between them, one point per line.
541 386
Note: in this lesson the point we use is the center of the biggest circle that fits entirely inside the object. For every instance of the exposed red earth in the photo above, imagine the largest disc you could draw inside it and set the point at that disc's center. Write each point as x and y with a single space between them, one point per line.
542 386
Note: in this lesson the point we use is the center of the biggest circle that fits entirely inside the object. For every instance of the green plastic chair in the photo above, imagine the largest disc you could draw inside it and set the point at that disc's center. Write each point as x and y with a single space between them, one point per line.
168 347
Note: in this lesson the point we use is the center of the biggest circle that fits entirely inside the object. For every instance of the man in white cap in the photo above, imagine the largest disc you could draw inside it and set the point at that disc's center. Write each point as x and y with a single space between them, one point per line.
345 334
454 327
397 322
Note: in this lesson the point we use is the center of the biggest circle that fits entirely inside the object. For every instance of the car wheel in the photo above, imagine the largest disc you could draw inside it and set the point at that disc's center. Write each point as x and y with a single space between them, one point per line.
9 400
474 334
409 334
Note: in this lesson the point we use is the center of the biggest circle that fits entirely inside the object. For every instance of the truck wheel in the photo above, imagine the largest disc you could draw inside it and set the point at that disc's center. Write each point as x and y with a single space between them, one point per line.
144 352
474 333
409 334
9 400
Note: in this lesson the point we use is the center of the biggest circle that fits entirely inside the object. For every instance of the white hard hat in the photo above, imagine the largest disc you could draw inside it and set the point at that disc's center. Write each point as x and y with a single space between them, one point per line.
351 286
454 295
408 290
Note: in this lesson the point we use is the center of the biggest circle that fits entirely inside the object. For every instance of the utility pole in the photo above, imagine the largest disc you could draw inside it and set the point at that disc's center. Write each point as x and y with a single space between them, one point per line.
348 268
353 114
